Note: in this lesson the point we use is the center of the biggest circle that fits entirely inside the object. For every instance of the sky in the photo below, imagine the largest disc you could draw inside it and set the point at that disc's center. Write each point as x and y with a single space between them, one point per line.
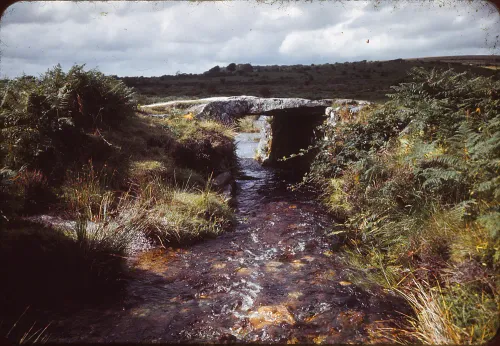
148 38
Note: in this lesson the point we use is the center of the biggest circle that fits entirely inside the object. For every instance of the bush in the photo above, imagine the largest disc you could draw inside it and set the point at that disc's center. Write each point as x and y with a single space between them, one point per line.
117 179
246 68
43 121
417 181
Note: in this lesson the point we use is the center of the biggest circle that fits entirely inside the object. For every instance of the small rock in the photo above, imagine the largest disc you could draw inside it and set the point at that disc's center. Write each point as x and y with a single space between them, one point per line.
271 315
222 179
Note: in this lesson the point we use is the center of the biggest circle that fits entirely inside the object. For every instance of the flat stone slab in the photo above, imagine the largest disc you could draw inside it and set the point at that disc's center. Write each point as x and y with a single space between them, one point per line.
225 108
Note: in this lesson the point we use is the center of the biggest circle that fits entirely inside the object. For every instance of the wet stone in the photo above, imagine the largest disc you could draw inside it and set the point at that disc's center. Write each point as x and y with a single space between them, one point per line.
266 315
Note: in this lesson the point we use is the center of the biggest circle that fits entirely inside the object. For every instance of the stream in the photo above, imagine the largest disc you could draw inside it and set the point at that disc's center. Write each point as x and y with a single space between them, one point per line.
274 278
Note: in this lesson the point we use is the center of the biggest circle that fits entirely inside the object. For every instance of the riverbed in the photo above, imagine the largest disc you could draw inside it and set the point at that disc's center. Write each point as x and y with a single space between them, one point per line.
274 278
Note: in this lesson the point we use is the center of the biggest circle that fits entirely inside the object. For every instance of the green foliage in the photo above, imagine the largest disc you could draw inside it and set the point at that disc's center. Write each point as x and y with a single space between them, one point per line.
418 179
189 216
43 120
110 181
353 139
247 124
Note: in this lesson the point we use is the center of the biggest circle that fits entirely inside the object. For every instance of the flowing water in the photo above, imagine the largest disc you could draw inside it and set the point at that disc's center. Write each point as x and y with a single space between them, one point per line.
273 279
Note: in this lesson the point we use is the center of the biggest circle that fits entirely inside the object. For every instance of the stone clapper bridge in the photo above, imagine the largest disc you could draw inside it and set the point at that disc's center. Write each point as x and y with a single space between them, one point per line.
273 279
293 119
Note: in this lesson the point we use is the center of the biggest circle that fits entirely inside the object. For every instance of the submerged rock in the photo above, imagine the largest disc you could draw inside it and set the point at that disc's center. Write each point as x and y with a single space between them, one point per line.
270 315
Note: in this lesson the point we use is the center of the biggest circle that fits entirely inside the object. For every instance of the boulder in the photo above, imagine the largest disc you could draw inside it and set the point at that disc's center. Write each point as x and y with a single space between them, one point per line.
226 185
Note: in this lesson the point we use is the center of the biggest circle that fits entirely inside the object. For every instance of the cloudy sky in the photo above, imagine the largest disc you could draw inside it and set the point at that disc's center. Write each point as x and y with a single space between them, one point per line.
163 37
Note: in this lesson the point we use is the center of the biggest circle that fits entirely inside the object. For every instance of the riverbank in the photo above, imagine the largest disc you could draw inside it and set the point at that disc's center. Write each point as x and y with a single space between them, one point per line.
80 193
416 183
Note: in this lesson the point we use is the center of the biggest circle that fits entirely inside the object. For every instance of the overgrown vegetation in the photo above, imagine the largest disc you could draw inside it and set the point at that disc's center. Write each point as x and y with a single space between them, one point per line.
107 178
416 184
247 124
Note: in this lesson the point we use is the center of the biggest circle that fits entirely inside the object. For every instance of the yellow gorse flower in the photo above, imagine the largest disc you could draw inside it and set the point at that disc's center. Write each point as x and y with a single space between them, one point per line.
189 116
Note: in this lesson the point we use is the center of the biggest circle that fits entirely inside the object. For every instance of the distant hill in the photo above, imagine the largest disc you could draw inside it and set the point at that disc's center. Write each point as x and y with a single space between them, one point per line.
368 80
477 60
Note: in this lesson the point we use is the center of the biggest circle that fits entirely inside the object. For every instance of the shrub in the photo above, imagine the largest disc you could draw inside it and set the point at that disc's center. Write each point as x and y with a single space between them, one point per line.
43 121
416 180
215 69
246 68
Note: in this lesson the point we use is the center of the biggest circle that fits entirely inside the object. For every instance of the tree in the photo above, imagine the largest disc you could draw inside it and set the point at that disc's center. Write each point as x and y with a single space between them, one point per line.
245 67
215 69
231 67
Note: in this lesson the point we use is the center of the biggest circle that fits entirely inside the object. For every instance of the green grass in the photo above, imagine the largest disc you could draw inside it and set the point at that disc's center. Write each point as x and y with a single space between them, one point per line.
189 216
458 315
246 124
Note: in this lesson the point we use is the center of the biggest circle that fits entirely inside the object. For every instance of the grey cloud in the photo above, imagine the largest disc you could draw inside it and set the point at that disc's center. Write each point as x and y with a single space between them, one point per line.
156 38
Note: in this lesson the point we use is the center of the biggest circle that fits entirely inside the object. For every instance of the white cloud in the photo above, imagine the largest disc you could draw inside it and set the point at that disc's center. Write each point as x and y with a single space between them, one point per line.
156 38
